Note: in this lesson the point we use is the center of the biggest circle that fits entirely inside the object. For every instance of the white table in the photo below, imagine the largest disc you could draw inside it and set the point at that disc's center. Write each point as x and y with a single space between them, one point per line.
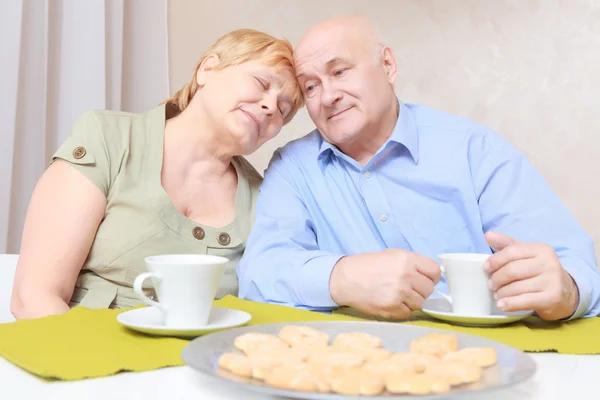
557 377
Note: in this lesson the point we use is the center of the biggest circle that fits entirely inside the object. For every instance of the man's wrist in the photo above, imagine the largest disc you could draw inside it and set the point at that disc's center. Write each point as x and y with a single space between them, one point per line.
570 297
572 294
336 282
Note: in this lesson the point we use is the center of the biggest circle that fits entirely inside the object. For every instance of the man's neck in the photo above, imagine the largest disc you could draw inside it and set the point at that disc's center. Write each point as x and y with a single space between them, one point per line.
366 145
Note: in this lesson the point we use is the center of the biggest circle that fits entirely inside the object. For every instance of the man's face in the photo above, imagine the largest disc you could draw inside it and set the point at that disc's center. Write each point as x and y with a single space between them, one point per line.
345 84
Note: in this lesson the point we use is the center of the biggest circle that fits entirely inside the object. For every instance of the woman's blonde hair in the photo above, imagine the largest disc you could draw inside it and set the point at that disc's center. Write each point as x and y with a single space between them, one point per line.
240 46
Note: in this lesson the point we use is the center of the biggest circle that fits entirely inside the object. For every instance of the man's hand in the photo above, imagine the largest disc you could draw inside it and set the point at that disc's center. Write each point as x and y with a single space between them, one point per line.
528 276
390 283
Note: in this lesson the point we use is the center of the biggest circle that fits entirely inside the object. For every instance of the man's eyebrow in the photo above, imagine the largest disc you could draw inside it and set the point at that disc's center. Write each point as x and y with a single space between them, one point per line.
332 61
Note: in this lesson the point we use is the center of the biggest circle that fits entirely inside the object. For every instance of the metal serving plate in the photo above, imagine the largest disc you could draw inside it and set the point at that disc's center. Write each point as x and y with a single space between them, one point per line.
513 366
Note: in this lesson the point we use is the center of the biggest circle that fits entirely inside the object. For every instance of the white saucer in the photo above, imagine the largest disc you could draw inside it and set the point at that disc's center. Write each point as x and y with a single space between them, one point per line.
441 309
150 320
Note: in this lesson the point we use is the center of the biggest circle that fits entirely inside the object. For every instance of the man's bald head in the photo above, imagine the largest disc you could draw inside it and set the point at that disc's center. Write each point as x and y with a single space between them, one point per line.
359 29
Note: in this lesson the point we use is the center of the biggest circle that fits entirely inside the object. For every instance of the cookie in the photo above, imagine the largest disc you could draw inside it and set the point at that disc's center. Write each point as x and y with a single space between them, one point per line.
265 359
336 358
373 354
355 382
386 367
296 335
238 364
416 384
354 340
418 360
435 344
296 378
456 372
482 356
251 341
223 373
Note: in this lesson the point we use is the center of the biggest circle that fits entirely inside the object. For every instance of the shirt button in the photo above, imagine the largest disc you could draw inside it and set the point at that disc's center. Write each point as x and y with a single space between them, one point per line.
198 233
152 297
383 218
224 239
367 174
79 152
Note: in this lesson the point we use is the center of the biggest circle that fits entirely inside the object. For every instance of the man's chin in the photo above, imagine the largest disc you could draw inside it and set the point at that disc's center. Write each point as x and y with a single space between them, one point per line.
339 135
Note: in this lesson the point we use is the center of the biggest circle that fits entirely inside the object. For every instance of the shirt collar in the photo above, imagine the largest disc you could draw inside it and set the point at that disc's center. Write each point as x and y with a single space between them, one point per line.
405 133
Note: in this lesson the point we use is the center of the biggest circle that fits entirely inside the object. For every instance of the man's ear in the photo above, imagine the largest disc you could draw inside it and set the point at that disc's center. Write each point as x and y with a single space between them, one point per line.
206 67
388 61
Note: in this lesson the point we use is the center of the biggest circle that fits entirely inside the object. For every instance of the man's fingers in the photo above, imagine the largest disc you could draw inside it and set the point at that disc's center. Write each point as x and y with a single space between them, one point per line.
429 268
525 301
498 241
516 288
414 300
399 311
514 271
513 252
422 285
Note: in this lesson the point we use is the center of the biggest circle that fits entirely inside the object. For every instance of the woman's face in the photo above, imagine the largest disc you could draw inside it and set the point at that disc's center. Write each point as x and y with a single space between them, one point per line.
247 103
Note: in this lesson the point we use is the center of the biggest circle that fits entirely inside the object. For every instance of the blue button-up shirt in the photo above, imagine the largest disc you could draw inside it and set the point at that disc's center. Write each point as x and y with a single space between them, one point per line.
437 185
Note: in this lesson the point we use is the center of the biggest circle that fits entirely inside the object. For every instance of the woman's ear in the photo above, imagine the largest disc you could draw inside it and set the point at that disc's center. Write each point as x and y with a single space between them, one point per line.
206 67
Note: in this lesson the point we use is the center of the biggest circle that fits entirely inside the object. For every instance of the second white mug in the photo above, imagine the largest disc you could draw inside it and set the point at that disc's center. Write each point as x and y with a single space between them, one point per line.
185 284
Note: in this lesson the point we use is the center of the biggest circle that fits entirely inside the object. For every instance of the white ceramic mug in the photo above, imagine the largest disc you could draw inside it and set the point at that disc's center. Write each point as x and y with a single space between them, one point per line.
185 285
467 282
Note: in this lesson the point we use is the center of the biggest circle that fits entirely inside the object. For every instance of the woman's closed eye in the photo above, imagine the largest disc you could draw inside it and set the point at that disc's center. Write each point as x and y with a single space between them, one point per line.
263 84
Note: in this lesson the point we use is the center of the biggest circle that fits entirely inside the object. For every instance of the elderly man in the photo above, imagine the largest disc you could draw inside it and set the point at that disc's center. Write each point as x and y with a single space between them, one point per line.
356 212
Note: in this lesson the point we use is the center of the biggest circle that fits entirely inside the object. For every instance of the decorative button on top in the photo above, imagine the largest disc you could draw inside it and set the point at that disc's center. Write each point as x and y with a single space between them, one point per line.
79 152
198 233
224 239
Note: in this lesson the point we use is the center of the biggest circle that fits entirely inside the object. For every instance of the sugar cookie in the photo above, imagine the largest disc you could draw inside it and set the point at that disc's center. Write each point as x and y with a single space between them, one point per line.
336 358
386 367
435 344
356 383
296 335
374 354
482 356
456 372
420 361
417 384
239 364
352 340
251 341
295 378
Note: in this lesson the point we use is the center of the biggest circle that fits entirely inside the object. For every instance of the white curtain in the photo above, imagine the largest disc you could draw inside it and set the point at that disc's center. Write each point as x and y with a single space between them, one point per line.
59 58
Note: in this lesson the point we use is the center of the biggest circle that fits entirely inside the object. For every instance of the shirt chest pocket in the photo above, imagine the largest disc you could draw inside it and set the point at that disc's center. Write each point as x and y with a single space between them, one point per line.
441 228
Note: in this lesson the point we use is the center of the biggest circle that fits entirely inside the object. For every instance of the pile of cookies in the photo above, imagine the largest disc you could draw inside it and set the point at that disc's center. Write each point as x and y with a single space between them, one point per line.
301 358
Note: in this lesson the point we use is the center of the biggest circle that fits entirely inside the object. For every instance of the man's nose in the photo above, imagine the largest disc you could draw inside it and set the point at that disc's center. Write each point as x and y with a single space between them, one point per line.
330 95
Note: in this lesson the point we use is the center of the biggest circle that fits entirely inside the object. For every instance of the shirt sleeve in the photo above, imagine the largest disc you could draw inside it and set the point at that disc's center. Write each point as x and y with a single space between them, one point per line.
515 200
282 262
88 150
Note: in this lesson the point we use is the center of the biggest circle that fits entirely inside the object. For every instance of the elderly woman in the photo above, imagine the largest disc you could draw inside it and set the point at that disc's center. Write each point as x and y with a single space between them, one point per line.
125 186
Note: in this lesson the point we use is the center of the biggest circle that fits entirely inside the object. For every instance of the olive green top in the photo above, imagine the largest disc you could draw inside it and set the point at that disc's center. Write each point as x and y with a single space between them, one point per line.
122 153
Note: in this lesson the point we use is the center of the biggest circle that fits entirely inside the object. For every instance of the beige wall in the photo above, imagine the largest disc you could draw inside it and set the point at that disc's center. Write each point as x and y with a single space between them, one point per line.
522 67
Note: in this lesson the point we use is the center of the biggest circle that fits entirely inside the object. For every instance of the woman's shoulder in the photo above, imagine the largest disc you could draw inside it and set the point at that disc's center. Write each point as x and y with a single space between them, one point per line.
117 131
111 121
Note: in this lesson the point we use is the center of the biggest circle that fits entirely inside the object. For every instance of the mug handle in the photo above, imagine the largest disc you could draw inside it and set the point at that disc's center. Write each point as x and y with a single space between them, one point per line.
445 296
137 288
